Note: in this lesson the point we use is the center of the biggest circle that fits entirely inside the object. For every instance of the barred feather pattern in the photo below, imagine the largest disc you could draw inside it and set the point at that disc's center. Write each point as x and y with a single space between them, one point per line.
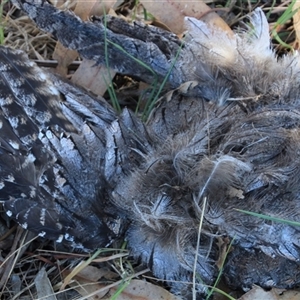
227 133
49 154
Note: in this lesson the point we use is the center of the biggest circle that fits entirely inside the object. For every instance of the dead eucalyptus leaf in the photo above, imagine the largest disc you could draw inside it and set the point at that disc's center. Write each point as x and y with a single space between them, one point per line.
89 290
142 290
296 22
94 274
93 78
172 13
289 295
83 9
43 286
259 293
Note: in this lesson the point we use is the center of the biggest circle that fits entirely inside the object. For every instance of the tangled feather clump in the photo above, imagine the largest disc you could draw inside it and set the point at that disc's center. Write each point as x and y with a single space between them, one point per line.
226 138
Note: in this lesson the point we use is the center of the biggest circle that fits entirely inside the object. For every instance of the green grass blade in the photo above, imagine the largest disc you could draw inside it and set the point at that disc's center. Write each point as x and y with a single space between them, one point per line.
266 217
287 15
1 21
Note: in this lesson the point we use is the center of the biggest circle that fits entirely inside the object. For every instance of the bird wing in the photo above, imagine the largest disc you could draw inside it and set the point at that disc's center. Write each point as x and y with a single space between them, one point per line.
52 154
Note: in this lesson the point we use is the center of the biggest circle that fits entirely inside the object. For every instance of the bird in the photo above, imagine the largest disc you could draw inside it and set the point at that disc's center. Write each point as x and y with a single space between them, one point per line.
217 162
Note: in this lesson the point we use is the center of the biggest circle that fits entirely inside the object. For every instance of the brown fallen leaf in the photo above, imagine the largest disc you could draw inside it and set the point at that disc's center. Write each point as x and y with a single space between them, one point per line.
142 290
287 295
223 244
258 293
172 13
94 274
64 57
296 22
89 290
93 78
89 76
86 281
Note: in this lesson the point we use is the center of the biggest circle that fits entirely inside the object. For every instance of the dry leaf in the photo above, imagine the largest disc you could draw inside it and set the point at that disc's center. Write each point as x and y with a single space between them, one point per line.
43 286
173 12
93 78
85 282
64 58
89 290
287 295
258 293
223 243
290 295
83 9
94 274
296 22
142 290
15 284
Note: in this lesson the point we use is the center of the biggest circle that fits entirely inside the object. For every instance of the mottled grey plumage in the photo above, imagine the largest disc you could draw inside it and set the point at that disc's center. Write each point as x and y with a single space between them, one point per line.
228 134
50 151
